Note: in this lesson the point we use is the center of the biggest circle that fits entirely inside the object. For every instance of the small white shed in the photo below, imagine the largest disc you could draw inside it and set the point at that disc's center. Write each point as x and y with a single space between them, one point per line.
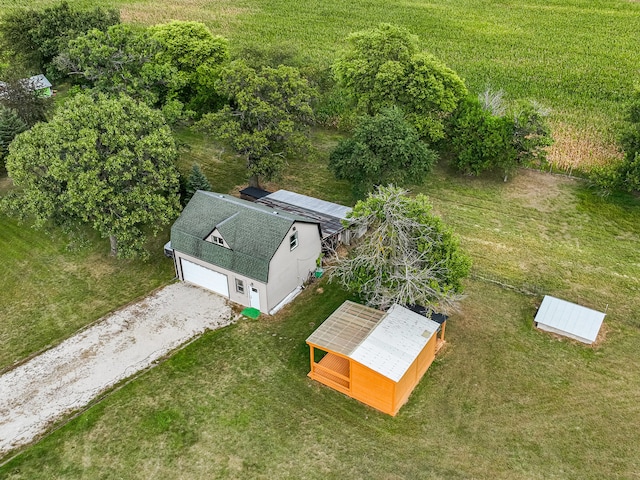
568 319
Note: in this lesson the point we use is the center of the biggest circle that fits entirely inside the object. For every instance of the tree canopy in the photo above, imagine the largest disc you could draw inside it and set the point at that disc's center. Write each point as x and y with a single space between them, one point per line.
383 67
18 95
383 149
105 162
267 117
162 64
484 135
33 38
408 255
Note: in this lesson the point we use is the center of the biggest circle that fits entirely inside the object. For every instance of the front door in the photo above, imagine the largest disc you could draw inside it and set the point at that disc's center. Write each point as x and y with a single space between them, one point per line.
254 298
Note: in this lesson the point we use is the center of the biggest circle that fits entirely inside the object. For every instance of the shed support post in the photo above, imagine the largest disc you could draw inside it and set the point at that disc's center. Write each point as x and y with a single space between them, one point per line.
444 324
311 353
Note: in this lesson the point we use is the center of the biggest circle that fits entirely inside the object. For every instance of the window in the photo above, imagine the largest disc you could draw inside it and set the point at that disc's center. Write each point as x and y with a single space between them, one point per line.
217 240
239 286
293 241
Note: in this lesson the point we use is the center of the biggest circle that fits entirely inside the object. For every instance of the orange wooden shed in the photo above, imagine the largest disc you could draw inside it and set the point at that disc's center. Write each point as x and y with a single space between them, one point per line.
375 357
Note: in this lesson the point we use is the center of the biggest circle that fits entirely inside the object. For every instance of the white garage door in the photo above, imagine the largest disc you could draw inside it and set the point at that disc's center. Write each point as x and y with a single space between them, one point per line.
205 277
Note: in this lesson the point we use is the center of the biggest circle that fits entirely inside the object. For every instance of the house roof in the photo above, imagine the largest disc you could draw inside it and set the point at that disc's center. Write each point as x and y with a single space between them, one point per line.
253 232
386 342
328 214
568 319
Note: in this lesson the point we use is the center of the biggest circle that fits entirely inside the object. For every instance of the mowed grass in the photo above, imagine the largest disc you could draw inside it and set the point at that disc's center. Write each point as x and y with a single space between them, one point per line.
49 291
503 400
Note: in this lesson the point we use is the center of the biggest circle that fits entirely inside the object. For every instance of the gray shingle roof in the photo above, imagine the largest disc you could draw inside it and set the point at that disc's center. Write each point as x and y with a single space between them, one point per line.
253 232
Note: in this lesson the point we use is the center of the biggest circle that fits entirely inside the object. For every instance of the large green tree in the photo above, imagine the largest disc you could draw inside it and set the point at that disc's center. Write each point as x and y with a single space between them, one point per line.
484 135
33 38
105 162
267 117
384 67
383 149
408 255
161 65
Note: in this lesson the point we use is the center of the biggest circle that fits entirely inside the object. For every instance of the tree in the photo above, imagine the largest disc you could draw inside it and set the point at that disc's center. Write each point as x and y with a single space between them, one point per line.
34 38
10 125
105 162
480 141
629 170
408 255
383 149
383 67
484 135
267 116
197 180
165 65
196 55
18 94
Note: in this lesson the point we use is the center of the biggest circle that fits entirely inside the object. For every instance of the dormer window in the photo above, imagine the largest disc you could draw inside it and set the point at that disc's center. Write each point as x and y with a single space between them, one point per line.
293 241
217 240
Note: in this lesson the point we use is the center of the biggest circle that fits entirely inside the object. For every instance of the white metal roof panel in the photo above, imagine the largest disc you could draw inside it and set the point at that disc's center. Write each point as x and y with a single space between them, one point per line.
310 203
568 319
393 345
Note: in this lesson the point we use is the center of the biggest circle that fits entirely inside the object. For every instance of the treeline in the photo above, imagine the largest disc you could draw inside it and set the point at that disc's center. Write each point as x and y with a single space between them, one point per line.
402 109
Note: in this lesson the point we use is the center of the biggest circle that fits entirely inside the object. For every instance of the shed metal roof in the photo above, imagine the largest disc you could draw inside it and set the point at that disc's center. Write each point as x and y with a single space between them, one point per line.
328 214
568 319
387 343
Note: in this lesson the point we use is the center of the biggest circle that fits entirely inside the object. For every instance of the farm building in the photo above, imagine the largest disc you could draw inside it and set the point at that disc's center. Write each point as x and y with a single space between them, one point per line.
568 319
329 215
252 254
375 357
37 83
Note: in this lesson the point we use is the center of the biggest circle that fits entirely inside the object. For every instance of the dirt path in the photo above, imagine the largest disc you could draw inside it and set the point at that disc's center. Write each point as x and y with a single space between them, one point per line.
69 376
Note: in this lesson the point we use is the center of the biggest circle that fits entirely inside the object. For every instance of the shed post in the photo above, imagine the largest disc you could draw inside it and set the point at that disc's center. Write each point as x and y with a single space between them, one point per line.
312 356
444 324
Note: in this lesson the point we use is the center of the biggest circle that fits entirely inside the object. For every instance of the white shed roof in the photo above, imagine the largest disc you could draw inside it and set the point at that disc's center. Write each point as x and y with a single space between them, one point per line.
310 203
387 343
395 342
568 319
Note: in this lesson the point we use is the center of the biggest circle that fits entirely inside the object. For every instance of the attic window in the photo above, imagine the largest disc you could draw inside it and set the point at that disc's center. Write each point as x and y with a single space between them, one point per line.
217 240
293 241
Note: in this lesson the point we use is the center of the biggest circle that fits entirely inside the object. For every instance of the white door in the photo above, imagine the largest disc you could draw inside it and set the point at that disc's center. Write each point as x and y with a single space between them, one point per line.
254 298
205 277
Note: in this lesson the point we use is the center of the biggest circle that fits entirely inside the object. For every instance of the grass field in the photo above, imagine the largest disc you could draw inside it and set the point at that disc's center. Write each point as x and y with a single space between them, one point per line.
502 401
578 57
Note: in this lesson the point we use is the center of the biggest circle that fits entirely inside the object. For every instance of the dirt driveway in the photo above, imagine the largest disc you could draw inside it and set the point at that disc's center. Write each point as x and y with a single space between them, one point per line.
69 376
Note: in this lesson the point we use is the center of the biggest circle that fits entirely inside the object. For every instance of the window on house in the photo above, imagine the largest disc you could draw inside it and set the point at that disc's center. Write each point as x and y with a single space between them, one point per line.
239 286
293 241
218 240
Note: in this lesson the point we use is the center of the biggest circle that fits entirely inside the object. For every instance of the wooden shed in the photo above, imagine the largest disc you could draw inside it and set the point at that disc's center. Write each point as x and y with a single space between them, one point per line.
375 357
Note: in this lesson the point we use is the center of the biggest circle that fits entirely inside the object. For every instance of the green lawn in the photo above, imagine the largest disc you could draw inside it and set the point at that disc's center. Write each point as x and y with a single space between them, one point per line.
502 401
52 285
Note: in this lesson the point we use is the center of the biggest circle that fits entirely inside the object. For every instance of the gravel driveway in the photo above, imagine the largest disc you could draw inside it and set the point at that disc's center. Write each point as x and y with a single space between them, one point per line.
69 376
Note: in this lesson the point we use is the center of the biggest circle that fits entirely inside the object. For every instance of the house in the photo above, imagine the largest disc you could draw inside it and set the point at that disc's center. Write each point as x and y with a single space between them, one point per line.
37 83
568 319
375 357
331 216
254 255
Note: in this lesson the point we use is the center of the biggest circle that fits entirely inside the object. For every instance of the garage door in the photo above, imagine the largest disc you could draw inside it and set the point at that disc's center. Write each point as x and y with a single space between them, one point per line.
205 277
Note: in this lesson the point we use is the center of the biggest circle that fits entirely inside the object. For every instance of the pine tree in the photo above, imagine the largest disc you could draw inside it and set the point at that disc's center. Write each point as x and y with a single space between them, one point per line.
196 181
10 125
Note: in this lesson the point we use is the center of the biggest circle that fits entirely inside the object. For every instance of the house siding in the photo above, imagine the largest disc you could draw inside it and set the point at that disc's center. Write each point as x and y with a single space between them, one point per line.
288 268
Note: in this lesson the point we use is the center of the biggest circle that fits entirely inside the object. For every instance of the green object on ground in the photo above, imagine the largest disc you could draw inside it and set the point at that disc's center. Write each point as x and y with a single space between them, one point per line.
251 312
